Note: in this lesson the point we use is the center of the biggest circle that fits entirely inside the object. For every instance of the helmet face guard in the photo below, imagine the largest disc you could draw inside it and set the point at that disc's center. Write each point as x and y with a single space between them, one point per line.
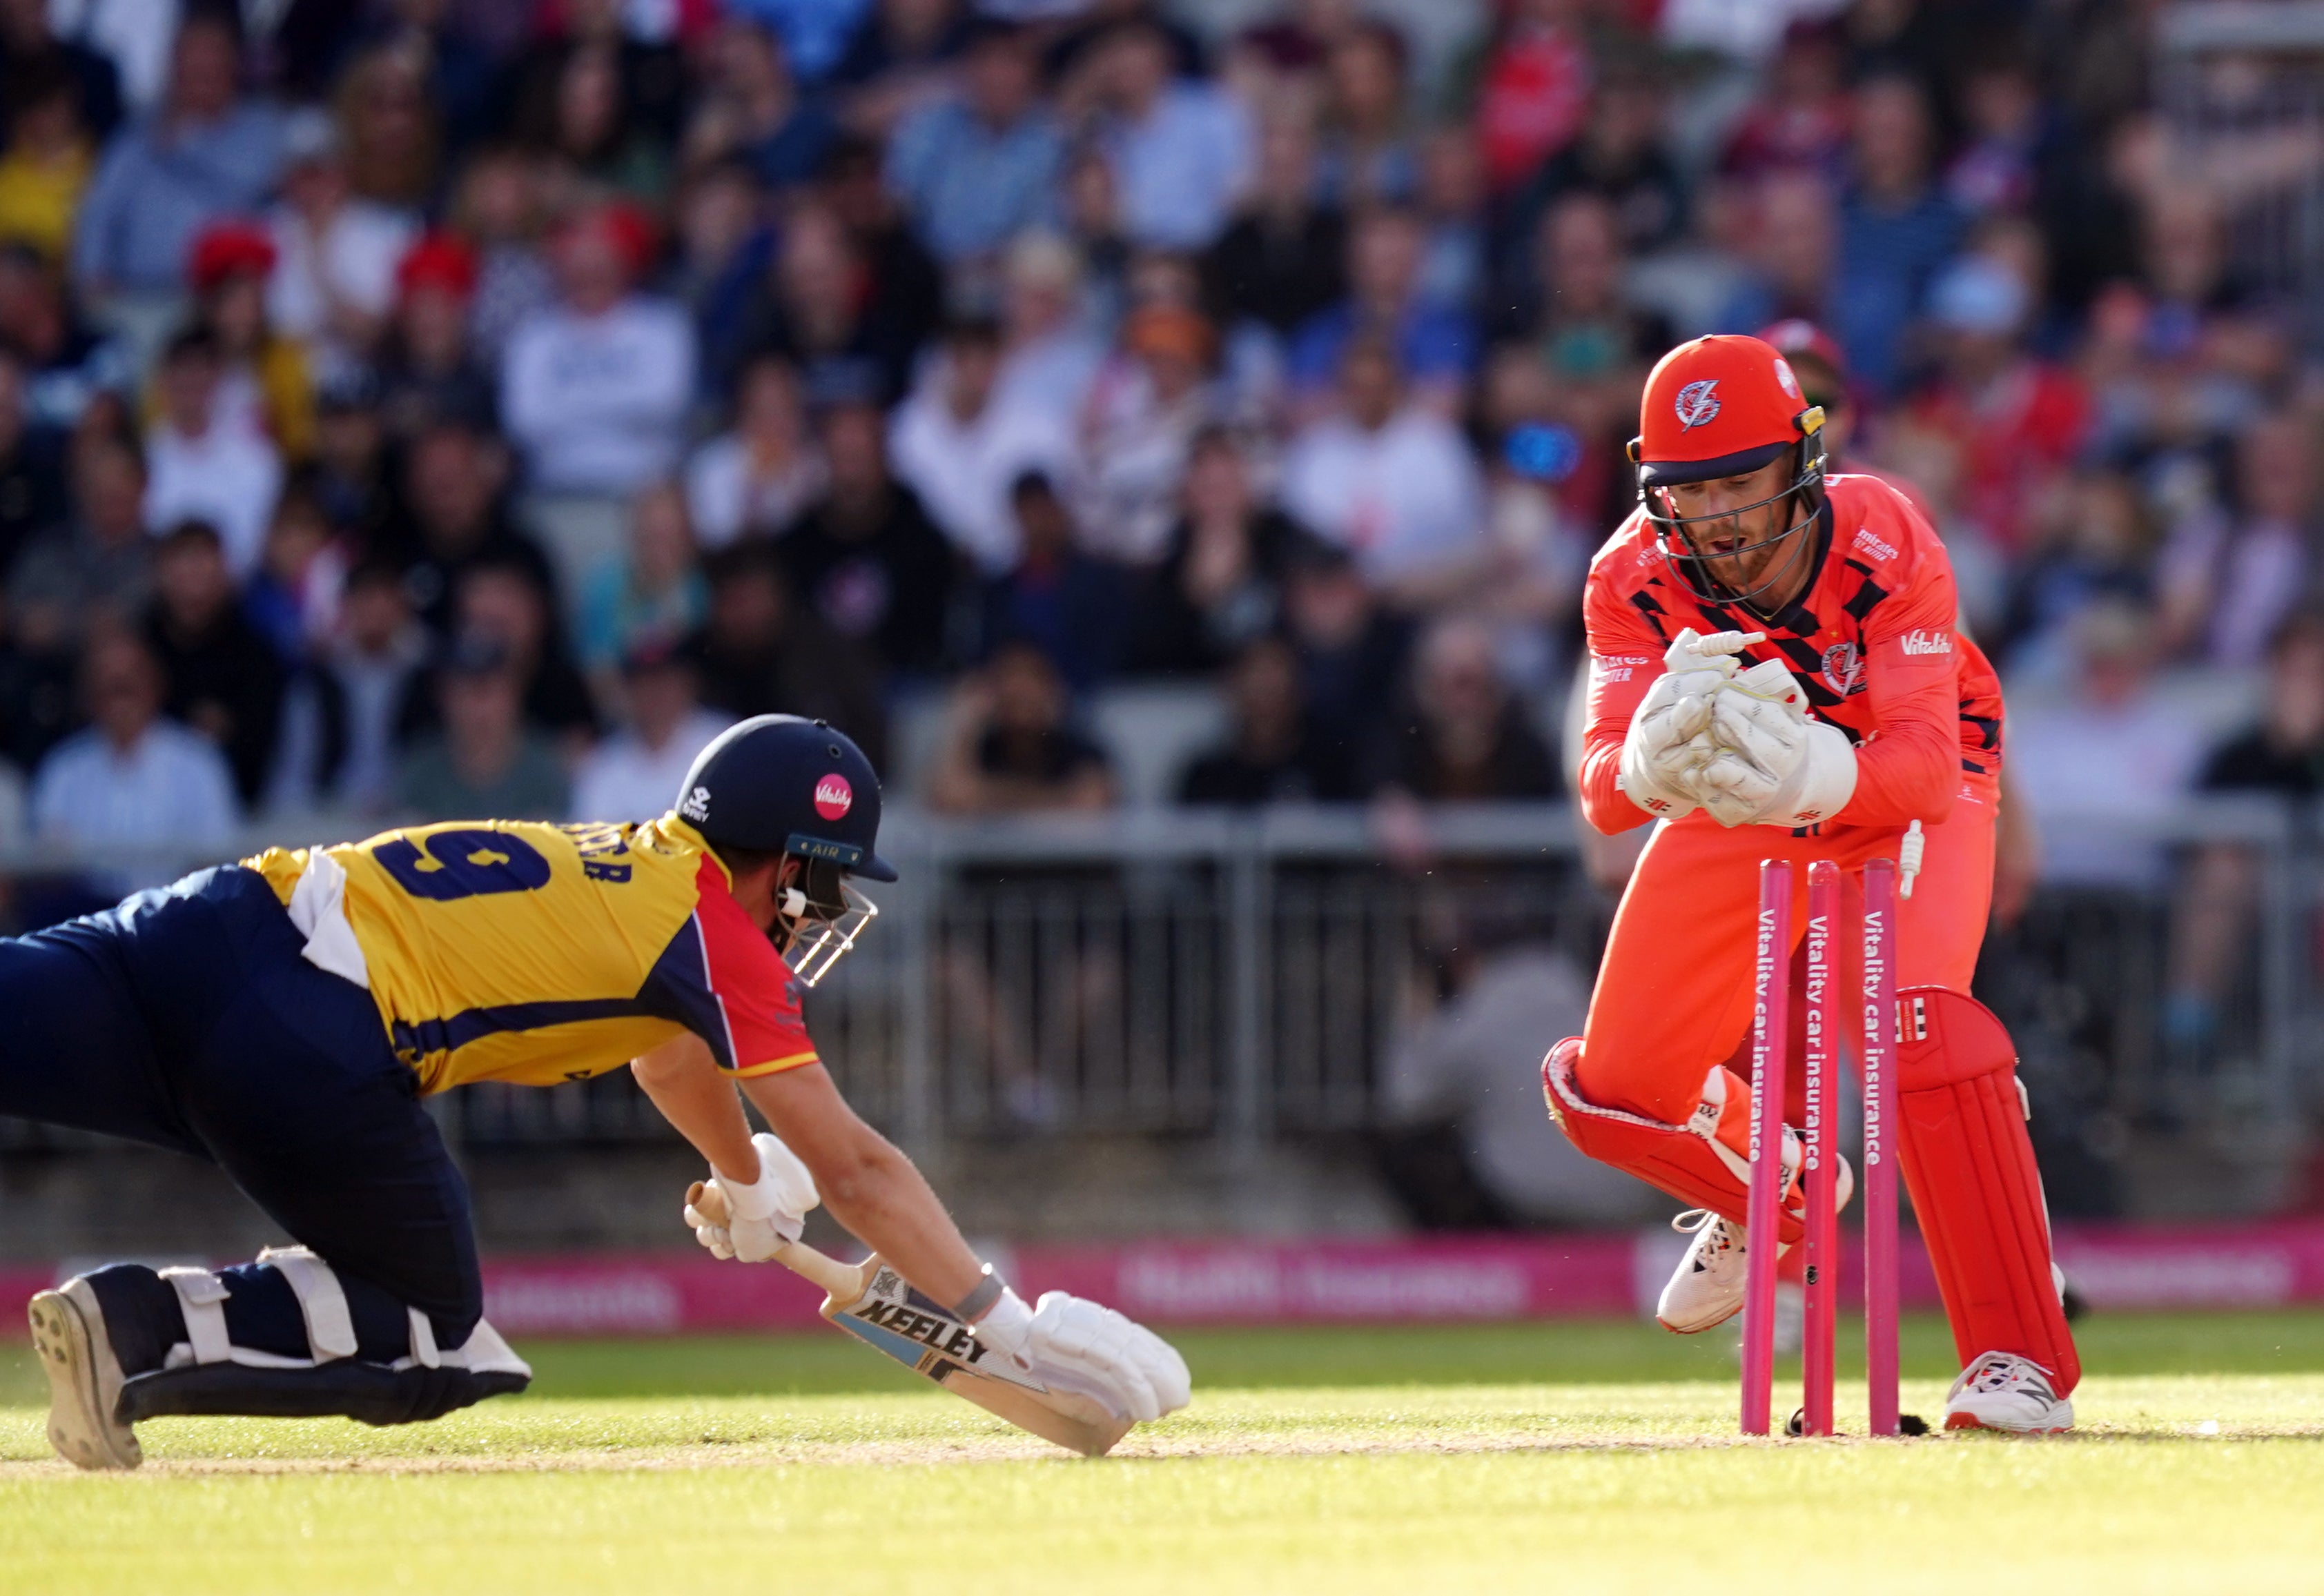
820 917
1695 571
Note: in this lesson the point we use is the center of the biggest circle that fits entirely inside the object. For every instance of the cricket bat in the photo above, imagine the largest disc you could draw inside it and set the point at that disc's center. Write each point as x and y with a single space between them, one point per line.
872 1303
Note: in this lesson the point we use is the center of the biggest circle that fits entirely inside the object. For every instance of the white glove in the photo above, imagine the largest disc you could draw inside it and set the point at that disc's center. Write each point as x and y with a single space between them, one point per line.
765 1216
1661 754
1078 1345
1770 764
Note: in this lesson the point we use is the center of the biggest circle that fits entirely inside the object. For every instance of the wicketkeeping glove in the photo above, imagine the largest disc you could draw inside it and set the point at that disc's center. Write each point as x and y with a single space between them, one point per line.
761 1217
1074 1344
1663 751
1770 763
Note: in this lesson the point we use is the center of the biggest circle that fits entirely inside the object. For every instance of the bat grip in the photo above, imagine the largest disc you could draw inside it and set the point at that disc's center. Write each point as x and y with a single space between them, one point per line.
842 1282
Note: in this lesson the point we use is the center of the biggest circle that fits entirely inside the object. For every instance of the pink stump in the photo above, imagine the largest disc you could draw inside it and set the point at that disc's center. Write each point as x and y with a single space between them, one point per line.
1770 1028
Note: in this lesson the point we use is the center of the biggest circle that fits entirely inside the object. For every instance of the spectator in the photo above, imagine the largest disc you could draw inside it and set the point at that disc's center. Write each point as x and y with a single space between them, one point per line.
755 478
1466 739
750 109
455 518
905 289
979 168
46 167
1350 651
2017 421
1140 420
723 241
99 569
1282 261
293 600
1386 479
816 33
488 760
40 662
340 714
335 252
1620 158
67 365
1218 585
960 446
1067 602
1369 156
1271 756
1180 150
1009 747
595 389
1435 347
266 381
1583 329
2216 906
32 483
905 54
866 558
1896 227
579 118
498 210
1050 353
1533 88
389 123
655 596
1452 205
760 653
428 370
2104 761
201 466
1799 121
637 774
224 679
2229 582
205 153
813 310
2102 551
132 781
1998 165
31 53
1794 251
504 603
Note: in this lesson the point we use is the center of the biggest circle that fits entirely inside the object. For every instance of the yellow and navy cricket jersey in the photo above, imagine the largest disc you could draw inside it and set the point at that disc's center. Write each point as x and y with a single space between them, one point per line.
518 951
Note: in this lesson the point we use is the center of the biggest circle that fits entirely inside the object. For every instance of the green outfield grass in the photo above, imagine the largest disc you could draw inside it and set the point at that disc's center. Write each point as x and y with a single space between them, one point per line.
1577 1457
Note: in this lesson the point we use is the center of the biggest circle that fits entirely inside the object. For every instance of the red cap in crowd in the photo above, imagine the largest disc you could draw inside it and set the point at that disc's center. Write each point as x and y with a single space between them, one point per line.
1718 406
1800 339
440 261
229 249
630 229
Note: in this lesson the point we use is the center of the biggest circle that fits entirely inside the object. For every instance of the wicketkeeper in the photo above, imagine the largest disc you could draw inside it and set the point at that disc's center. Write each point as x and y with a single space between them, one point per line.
285 1016
1775 672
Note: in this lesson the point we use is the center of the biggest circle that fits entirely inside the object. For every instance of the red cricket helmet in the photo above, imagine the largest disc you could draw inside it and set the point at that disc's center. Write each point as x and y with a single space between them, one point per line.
1723 405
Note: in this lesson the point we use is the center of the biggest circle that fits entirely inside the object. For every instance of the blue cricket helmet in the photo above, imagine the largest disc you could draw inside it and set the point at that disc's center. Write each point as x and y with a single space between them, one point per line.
782 784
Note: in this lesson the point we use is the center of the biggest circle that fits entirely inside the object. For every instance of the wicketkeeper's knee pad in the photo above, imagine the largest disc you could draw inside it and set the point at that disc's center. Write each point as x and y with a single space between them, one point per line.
170 1331
1689 1161
1976 1189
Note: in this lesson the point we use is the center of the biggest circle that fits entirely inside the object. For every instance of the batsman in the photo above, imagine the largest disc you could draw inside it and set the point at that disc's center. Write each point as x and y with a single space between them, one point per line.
1776 673
284 1018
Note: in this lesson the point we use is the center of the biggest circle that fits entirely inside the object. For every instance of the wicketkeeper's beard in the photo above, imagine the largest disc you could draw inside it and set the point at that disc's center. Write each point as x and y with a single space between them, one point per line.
817 918
1725 577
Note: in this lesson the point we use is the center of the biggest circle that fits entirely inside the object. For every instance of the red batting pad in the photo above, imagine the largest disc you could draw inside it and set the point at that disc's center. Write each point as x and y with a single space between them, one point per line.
1976 1191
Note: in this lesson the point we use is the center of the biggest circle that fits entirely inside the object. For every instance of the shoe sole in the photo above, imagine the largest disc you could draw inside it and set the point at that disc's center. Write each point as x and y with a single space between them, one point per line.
80 1432
1699 1329
1965 1421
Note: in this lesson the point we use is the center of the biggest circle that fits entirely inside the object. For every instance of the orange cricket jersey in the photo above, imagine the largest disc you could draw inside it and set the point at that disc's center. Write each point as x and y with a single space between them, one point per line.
1873 641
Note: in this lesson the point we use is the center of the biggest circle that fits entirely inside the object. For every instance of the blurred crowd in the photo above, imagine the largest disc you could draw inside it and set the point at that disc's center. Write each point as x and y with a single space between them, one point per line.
435 407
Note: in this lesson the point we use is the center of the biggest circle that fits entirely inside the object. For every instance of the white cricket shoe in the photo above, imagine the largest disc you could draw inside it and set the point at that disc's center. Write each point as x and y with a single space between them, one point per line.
84 1380
2003 1391
1706 1290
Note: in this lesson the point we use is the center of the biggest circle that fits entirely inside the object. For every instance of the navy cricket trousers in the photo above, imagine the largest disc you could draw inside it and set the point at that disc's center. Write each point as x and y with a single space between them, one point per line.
187 1019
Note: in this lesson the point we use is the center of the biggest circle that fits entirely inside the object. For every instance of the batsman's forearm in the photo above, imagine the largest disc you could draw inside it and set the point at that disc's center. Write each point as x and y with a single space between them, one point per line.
868 1185
699 1102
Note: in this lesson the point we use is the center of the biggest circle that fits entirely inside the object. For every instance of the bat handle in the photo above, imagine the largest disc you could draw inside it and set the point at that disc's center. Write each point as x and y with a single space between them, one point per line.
842 1282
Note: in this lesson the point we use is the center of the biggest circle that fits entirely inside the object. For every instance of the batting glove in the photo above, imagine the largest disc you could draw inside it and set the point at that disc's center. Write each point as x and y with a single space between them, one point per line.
1073 1344
765 1216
